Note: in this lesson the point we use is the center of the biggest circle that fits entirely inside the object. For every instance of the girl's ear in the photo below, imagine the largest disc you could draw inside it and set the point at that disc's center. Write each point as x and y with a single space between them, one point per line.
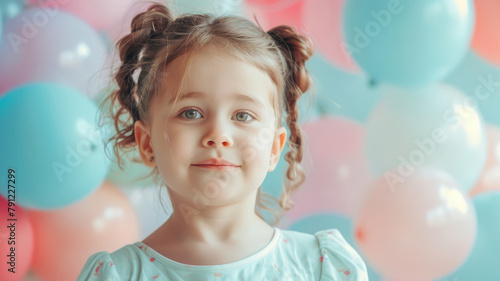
278 144
143 140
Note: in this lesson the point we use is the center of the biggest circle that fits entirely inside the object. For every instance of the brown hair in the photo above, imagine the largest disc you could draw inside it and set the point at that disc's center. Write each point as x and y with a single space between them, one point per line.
157 38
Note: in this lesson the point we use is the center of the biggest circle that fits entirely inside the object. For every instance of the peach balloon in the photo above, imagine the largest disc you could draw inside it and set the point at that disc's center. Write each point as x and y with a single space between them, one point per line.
336 173
486 38
419 229
323 21
97 13
65 238
490 176
121 27
19 237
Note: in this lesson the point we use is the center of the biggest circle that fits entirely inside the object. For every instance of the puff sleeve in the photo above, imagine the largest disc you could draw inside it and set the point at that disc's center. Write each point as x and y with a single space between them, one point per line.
339 260
99 267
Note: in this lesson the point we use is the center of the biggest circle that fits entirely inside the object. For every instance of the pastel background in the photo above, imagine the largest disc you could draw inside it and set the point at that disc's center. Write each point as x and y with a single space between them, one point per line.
402 148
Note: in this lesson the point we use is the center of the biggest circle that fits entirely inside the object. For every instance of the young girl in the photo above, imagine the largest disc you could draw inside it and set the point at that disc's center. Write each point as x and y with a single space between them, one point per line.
205 112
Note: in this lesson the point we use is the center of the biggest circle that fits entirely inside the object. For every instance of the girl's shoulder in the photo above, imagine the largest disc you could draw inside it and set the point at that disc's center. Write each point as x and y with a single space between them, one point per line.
99 266
118 265
337 258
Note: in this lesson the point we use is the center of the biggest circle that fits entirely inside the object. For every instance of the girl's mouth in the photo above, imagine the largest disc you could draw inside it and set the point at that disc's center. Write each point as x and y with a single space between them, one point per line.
216 167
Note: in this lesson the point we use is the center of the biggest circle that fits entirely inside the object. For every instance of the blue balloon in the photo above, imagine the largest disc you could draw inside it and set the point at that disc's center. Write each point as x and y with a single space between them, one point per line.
408 43
1 26
51 144
215 7
320 221
483 262
341 93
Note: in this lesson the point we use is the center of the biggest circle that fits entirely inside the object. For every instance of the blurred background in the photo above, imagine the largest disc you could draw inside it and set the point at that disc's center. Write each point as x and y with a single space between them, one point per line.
402 150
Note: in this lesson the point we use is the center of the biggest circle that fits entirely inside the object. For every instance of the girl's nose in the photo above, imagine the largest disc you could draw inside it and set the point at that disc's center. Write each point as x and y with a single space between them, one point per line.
219 142
218 137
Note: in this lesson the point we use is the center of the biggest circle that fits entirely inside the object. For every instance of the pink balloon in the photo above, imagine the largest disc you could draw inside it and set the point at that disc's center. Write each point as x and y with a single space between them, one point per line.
421 229
67 237
336 173
19 237
99 14
323 21
43 46
490 176
486 38
276 13
118 30
121 27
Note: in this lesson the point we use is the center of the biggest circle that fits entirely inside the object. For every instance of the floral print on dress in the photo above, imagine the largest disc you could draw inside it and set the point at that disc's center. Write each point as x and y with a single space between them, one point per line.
145 248
97 268
346 272
293 256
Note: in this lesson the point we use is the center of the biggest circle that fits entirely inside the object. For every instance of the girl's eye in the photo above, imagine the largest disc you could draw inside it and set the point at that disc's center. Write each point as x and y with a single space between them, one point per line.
191 114
244 113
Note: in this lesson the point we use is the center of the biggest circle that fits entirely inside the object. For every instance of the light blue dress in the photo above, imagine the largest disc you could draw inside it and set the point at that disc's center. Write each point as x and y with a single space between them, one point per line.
290 255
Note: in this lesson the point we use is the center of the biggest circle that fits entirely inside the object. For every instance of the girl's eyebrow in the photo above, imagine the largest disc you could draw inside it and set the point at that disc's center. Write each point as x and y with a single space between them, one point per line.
237 96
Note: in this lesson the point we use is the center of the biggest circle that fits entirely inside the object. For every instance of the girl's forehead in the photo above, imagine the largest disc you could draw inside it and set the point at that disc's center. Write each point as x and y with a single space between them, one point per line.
185 65
210 70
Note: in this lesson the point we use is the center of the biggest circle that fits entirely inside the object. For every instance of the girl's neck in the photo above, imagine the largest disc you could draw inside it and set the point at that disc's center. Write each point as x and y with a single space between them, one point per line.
217 231
192 246
202 243
214 225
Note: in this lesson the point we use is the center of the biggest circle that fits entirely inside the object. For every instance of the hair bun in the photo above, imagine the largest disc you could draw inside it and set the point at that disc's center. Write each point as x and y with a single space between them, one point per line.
156 18
298 49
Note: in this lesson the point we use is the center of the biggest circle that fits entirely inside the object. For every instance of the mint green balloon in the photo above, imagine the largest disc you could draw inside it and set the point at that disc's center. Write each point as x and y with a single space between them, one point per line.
52 144
408 43
215 7
434 126
480 80
341 93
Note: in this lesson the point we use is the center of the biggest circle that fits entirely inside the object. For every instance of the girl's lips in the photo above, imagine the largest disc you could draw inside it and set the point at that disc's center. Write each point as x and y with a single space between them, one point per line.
216 161
217 167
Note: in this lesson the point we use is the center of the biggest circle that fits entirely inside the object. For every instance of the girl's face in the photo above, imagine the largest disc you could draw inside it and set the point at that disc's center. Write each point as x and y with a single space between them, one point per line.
227 115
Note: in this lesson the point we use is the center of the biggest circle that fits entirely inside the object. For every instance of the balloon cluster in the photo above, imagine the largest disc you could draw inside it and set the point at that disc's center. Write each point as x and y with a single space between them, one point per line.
401 149
402 152
57 192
